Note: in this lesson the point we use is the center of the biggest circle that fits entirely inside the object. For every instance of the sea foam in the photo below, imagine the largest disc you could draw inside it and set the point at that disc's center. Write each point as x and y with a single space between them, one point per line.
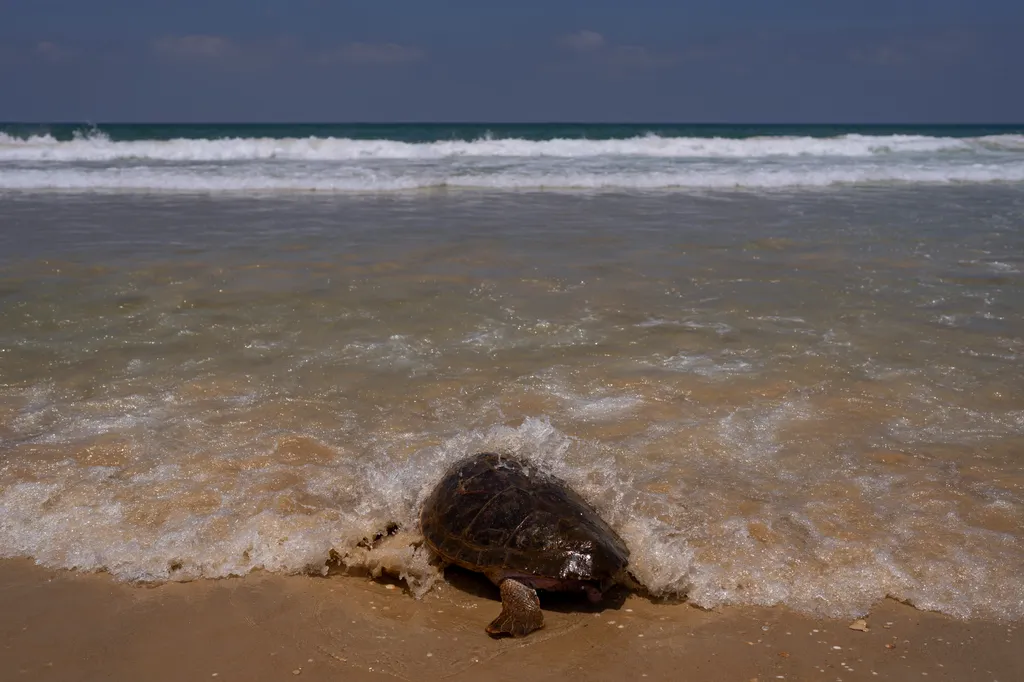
343 180
95 162
306 519
99 147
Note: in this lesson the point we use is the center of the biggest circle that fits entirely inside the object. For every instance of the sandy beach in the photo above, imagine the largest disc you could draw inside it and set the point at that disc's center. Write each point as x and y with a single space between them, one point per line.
68 626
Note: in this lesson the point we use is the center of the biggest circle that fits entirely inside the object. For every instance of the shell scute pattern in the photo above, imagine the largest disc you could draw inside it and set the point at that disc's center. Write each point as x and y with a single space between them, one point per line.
498 514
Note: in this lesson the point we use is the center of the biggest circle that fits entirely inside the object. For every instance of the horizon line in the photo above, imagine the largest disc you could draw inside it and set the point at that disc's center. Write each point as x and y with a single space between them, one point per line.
516 123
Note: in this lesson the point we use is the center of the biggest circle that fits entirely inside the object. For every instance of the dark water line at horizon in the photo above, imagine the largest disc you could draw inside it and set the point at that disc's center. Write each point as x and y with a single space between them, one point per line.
427 132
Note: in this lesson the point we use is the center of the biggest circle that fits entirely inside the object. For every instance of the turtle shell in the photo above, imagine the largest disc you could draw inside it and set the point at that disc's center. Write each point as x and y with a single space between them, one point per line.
498 514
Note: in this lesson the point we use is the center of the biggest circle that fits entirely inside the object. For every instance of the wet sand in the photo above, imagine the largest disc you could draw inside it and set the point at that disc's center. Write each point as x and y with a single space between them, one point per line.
66 626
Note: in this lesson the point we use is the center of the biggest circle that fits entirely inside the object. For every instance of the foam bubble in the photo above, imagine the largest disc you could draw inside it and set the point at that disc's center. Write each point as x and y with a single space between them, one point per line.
97 163
711 366
99 147
682 544
348 180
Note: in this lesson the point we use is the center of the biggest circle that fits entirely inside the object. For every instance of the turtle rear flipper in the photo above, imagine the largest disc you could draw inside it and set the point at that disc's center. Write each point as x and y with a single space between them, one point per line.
520 610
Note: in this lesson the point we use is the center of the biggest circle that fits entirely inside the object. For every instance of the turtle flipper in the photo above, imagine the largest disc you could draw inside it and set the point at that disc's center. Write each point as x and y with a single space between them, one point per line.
520 610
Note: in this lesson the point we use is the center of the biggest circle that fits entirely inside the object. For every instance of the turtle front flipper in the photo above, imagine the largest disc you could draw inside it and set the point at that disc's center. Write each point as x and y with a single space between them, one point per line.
520 610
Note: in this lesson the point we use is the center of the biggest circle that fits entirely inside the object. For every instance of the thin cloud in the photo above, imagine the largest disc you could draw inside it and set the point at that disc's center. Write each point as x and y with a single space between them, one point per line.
583 41
374 53
594 49
51 52
205 48
194 47
937 48
878 55
636 56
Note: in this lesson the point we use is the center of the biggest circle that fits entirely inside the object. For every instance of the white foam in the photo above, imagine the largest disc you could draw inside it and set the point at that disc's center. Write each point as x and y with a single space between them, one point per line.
87 518
611 406
99 147
721 365
96 163
523 333
397 352
1000 267
226 180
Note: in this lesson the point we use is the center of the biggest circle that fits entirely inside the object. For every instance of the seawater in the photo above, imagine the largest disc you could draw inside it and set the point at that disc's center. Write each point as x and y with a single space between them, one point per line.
377 158
809 396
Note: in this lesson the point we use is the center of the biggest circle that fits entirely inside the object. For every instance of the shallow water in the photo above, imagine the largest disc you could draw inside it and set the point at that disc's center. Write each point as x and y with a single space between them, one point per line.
813 398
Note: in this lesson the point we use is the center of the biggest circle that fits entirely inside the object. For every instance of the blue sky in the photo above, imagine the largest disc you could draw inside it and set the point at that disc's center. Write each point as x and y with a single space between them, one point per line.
456 60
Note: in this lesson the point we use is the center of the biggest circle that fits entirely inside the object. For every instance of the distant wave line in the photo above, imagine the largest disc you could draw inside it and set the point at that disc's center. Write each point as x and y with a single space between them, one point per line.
249 178
98 147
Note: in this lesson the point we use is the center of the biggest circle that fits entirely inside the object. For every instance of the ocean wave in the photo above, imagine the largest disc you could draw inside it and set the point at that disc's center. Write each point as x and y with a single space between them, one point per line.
159 521
98 147
95 162
253 178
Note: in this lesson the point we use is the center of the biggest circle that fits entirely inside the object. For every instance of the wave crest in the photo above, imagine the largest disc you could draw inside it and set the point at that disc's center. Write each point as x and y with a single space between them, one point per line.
92 161
99 147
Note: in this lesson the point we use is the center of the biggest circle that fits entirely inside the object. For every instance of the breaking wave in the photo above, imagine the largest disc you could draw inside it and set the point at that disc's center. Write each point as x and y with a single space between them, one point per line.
337 164
99 147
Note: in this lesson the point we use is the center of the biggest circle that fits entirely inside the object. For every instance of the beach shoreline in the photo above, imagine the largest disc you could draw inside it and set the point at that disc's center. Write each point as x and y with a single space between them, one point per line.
63 625
810 400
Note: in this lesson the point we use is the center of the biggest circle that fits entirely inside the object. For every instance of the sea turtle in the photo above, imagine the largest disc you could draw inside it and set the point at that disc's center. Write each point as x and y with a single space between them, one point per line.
525 530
